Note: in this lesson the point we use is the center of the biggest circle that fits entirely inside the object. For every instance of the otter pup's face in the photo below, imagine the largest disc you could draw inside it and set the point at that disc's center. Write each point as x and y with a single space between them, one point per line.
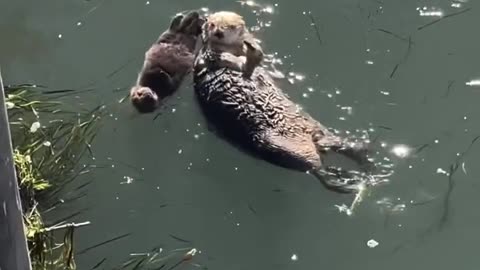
144 99
226 28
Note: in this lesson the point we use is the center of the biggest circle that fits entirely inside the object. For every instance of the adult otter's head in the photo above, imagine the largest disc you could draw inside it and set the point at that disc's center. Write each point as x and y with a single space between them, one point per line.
225 27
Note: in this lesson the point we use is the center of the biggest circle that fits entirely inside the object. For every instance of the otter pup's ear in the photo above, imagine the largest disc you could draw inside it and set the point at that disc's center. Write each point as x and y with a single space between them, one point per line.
175 24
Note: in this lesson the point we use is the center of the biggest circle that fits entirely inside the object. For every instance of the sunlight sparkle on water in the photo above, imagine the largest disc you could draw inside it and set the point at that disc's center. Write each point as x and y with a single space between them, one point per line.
372 243
475 82
430 12
401 150
268 9
385 93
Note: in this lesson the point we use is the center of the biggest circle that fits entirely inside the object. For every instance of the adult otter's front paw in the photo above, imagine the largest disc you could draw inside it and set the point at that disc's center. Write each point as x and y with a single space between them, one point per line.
144 99
231 61
253 48
254 57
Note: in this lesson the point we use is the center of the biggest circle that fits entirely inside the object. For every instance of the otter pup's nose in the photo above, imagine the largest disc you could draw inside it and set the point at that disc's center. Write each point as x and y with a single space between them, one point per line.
219 34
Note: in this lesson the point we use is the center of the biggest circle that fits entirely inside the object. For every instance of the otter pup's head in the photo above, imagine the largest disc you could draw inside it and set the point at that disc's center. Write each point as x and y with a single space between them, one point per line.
225 27
144 99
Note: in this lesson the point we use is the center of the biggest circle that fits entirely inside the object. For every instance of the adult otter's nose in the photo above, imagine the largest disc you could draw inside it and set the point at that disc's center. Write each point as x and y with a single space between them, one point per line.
219 34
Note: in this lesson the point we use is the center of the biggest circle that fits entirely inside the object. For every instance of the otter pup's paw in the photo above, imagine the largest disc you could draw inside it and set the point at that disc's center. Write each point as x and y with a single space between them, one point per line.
144 99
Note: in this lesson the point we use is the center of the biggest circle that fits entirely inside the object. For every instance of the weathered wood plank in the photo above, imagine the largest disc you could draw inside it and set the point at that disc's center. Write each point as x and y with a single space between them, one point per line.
13 246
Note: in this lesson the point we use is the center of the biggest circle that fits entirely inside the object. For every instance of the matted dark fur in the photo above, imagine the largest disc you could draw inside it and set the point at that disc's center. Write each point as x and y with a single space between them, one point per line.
167 62
260 117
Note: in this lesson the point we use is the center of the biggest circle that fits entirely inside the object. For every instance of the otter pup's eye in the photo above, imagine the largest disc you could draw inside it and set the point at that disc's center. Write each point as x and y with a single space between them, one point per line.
211 25
232 27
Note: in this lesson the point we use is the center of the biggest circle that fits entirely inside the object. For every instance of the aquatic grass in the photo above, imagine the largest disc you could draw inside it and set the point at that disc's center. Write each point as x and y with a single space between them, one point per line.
49 141
156 259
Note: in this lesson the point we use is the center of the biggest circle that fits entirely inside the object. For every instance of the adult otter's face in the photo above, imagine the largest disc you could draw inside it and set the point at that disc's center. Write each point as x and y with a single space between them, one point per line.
144 99
225 27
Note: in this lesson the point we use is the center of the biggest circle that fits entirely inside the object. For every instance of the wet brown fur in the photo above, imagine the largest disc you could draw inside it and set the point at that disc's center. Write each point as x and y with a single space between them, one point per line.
167 62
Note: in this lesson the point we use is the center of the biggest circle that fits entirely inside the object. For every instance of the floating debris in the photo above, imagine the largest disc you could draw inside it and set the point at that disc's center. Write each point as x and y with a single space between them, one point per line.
294 257
392 34
183 240
444 17
10 105
35 126
463 168
128 180
442 171
344 209
189 255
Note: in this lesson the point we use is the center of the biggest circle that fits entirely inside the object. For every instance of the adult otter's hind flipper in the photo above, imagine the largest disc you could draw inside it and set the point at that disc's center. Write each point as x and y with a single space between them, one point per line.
302 153
339 180
354 150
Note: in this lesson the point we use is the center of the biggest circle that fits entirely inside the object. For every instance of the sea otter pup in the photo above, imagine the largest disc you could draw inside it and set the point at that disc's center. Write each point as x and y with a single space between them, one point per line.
167 62
226 34
260 116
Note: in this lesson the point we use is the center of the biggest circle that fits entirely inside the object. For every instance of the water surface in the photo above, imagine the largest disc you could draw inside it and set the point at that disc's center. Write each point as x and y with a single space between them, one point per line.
369 67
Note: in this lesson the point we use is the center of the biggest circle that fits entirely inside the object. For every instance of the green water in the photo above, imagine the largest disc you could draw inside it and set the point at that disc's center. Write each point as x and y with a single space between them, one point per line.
243 213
